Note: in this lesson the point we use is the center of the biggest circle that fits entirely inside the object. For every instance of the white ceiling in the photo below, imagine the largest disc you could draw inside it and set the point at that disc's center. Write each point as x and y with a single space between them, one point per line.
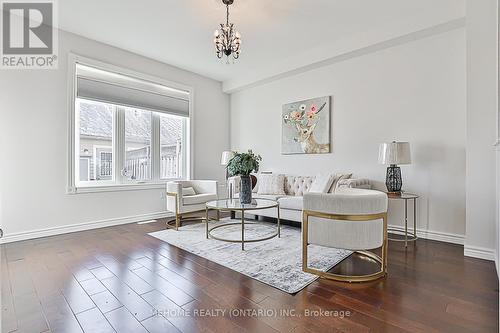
180 32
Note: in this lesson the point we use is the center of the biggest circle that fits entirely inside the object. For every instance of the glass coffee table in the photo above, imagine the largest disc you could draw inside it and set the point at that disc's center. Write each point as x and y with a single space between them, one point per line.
234 205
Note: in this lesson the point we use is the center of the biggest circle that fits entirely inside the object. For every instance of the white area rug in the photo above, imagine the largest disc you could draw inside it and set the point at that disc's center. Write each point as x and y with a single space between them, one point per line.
276 262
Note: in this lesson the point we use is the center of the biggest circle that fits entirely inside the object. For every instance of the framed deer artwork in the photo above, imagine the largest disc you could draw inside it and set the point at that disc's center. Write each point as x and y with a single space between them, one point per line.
306 127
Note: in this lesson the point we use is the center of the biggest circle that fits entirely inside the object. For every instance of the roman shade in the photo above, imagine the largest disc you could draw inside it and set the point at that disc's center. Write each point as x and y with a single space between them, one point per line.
103 86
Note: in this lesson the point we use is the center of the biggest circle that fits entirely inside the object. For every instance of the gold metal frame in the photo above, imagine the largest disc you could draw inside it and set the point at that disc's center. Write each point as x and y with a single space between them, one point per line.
179 218
242 223
382 261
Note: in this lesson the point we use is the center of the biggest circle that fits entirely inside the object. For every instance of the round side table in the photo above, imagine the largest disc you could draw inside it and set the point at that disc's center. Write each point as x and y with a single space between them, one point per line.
408 235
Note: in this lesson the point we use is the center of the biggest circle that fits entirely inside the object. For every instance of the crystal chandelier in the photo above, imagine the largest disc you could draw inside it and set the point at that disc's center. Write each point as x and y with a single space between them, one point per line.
227 40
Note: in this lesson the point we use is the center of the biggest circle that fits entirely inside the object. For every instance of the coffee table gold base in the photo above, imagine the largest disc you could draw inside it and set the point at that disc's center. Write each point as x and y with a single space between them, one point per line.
242 209
242 241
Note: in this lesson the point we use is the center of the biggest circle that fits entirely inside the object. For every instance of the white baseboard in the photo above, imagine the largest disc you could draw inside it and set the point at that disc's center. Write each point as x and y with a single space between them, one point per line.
20 236
479 252
434 235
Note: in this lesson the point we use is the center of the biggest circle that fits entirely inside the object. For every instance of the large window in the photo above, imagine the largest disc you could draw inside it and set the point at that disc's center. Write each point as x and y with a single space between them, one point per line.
127 131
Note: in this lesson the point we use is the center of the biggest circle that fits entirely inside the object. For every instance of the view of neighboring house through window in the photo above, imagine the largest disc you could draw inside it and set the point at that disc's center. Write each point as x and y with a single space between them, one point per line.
96 140
171 159
137 144
128 130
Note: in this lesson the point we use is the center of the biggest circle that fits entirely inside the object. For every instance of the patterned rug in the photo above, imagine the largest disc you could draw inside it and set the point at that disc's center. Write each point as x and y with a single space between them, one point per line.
276 262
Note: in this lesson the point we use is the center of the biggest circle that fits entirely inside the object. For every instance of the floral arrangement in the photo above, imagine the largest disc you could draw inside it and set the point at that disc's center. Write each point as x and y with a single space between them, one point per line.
242 164
303 115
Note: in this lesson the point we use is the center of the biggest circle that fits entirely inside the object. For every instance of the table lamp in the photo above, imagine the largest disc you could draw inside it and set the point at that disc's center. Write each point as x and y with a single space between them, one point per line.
227 155
394 154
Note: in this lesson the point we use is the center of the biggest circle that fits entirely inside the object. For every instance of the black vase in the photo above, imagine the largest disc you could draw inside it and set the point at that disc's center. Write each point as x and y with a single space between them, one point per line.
246 190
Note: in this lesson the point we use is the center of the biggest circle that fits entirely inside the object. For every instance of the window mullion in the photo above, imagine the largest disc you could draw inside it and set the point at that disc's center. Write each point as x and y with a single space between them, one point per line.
186 160
155 146
119 147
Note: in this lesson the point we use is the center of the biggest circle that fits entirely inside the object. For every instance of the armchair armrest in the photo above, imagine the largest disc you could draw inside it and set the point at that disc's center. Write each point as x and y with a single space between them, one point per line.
174 195
205 186
354 183
347 202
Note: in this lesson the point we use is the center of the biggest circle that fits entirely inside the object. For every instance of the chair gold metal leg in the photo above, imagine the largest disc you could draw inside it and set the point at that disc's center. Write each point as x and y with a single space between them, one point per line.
176 222
382 260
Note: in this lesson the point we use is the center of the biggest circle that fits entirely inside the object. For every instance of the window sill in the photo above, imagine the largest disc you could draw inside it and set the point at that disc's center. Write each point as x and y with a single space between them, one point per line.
116 187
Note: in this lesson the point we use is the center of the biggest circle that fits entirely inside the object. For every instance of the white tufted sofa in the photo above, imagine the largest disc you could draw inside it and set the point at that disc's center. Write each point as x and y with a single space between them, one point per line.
291 204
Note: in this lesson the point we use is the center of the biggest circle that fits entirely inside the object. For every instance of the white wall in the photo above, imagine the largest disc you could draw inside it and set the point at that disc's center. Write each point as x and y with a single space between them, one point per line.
481 127
33 145
414 92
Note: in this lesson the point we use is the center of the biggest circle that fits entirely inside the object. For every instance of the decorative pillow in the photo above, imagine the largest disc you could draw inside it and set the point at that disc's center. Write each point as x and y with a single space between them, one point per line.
338 177
255 186
322 183
271 184
187 191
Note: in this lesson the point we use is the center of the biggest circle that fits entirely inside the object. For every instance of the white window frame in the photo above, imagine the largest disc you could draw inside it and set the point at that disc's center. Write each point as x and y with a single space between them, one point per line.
121 183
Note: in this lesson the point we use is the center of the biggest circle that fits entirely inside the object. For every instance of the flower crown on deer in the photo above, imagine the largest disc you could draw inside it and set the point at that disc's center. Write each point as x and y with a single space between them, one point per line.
304 119
302 115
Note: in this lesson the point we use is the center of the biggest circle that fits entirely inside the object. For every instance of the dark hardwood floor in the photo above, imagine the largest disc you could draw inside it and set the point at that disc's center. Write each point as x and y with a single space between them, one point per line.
120 279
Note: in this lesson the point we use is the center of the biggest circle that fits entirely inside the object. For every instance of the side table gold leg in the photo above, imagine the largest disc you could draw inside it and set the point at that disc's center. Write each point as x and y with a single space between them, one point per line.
415 219
406 223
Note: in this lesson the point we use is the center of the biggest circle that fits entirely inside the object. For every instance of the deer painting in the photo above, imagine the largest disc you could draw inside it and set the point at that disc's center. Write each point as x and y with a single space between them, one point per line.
307 141
301 121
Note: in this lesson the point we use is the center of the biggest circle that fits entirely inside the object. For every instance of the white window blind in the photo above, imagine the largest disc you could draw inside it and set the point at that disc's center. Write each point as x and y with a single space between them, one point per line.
103 86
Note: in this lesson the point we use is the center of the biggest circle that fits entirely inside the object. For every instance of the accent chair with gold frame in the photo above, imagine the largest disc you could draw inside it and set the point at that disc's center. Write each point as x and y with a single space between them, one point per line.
351 219
182 205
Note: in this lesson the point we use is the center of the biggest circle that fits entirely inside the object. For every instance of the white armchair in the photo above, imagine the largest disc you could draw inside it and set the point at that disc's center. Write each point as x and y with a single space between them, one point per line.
352 219
181 204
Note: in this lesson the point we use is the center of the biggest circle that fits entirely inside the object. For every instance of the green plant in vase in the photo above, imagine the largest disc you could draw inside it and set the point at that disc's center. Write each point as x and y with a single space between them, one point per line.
243 164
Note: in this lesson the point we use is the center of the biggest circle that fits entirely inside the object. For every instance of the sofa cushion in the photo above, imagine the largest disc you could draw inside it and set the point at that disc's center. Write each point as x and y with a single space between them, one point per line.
187 191
263 196
198 198
267 196
271 184
297 185
322 183
291 202
339 177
